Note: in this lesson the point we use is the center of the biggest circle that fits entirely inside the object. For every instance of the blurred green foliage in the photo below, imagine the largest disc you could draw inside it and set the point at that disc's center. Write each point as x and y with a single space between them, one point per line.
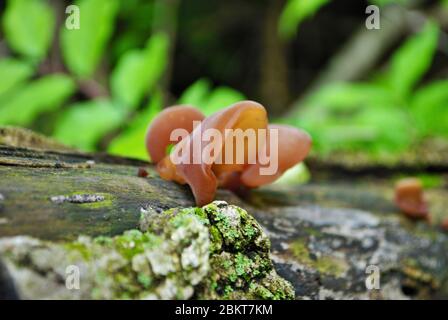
382 3
99 86
30 36
135 75
294 13
138 71
200 94
412 60
12 73
83 48
85 123
26 102
297 11
131 142
387 114
210 100
135 59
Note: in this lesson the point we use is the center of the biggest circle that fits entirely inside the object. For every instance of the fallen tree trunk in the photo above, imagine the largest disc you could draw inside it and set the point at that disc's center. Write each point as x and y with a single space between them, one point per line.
323 236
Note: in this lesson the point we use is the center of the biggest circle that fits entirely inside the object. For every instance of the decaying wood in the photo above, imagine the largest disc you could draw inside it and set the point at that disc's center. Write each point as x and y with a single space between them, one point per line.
323 235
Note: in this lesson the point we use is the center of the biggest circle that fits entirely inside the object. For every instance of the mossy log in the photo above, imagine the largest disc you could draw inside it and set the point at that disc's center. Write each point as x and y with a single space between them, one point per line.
323 236
430 156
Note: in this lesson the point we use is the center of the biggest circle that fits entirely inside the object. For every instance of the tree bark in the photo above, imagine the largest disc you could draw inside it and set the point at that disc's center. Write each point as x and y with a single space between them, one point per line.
323 235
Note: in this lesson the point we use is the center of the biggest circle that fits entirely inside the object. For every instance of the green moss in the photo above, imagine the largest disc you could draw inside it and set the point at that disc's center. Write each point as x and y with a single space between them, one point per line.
331 266
237 228
215 252
325 264
313 232
106 241
144 280
216 239
79 247
229 233
238 250
134 242
300 251
241 267
412 270
261 291
106 203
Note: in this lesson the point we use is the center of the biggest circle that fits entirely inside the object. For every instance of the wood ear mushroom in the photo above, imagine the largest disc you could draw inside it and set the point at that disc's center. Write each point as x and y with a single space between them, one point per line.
223 160
409 198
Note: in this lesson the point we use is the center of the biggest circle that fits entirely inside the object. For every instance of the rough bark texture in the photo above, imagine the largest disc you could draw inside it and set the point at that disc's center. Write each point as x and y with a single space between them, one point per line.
215 252
322 235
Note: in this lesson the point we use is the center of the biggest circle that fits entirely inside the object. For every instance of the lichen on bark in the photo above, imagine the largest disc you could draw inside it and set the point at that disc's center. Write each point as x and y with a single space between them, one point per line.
215 252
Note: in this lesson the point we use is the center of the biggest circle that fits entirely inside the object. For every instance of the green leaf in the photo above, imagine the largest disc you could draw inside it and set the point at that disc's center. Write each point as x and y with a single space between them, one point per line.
382 3
355 116
138 71
412 60
429 108
220 98
131 143
28 27
294 13
298 174
12 73
200 95
371 130
434 94
83 48
196 94
349 96
24 104
85 123
393 128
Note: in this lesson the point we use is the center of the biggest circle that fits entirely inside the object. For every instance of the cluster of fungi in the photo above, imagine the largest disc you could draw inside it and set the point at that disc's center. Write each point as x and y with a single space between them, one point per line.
205 177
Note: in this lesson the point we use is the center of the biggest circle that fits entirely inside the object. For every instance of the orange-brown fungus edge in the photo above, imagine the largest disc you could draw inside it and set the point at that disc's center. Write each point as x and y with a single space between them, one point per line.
445 224
409 198
203 178
158 133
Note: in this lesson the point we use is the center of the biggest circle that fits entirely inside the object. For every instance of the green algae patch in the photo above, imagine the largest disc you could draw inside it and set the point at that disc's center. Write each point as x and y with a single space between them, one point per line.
106 203
300 251
85 199
325 264
416 278
215 252
331 266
